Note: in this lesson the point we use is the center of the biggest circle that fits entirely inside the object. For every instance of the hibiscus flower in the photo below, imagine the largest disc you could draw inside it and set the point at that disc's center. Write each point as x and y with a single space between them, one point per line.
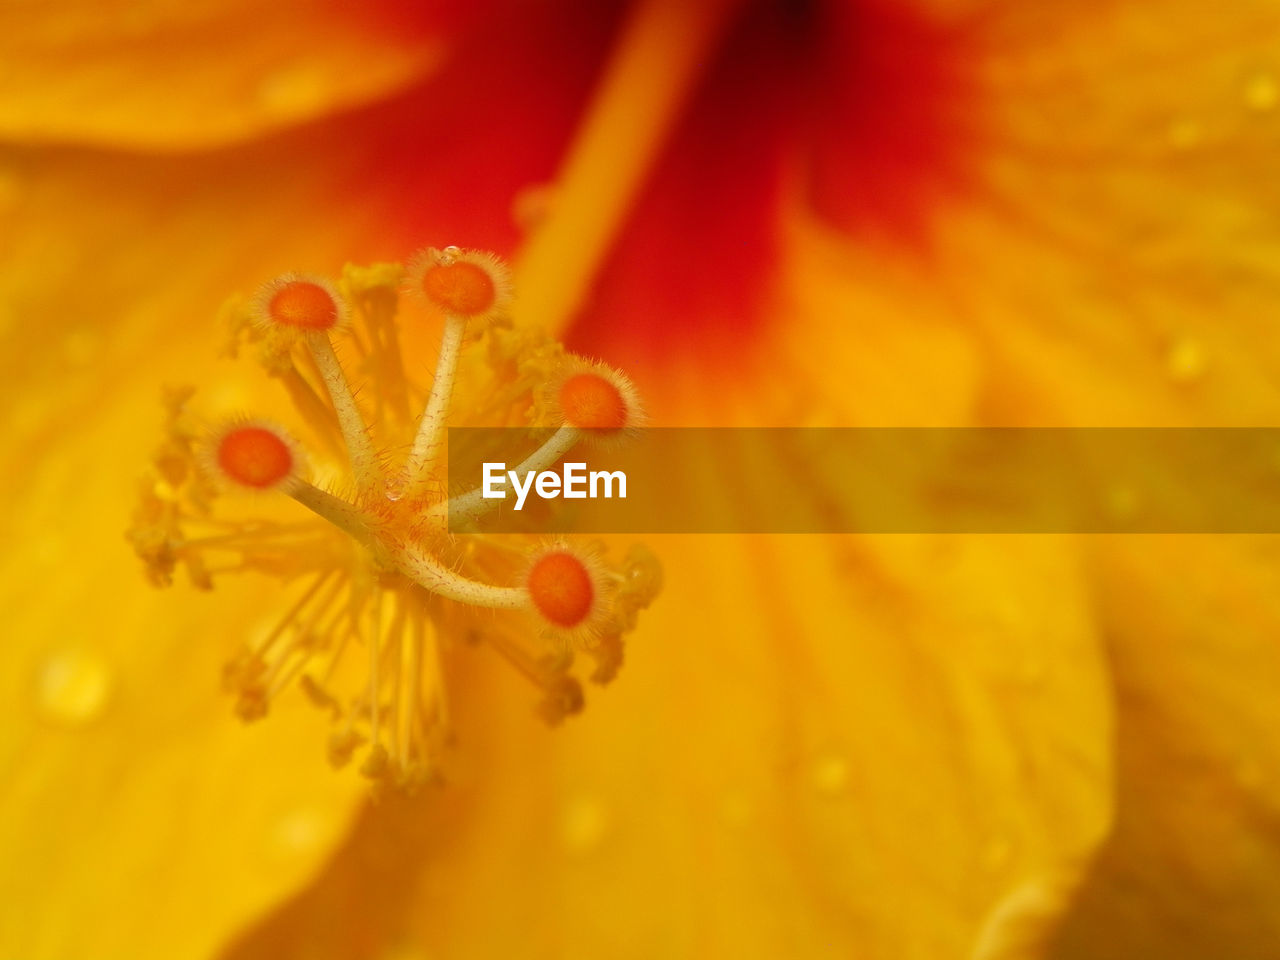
767 213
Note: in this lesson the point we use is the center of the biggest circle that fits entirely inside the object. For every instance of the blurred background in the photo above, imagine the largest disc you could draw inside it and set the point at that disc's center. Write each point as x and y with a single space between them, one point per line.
824 213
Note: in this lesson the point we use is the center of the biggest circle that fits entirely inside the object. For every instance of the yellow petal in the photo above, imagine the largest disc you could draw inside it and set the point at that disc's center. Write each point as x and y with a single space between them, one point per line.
1119 240
1193 868
166 74
818 746
139 819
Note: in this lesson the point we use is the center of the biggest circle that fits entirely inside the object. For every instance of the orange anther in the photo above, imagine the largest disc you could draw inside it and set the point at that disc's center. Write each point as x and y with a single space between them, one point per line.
590 402
254 456
561 589
303 305
463 288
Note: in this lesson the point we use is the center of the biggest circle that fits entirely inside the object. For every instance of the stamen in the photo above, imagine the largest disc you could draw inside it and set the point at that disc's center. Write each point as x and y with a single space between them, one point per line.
310 308
430 574
462 289
318 415
256 456
376 568
304 305
663 48
470 284
343 515
561 589
364 462
591 402
595 398
467 285
473 504
430 437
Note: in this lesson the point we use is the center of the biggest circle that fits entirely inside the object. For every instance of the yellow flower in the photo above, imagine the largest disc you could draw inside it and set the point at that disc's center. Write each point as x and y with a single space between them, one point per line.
861 213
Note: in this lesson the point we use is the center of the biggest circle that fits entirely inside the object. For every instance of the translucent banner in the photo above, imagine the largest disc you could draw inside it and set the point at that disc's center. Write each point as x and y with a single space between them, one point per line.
980 480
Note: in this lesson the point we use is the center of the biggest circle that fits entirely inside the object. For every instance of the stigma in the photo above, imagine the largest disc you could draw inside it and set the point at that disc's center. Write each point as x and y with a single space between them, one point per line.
381 596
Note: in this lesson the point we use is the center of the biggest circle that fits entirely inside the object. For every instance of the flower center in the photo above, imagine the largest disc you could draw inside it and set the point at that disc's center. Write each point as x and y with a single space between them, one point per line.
379 570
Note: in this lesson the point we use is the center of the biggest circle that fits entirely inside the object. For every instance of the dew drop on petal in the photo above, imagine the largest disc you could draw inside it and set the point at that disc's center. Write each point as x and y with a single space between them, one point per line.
1262 92
297 833
584 821
72 687
1185 360
831 775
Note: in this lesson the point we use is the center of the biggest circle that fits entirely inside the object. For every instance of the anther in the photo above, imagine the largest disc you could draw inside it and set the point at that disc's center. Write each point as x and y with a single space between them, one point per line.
301 305
591 402
462 283
256 455
467 285
562 589
596 399
312 309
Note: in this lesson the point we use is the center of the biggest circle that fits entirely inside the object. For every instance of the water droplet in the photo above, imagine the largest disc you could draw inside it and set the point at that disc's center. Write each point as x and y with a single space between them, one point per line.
583 825
73 686
1185 360
831 775
1262 92
298 832
1184 134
